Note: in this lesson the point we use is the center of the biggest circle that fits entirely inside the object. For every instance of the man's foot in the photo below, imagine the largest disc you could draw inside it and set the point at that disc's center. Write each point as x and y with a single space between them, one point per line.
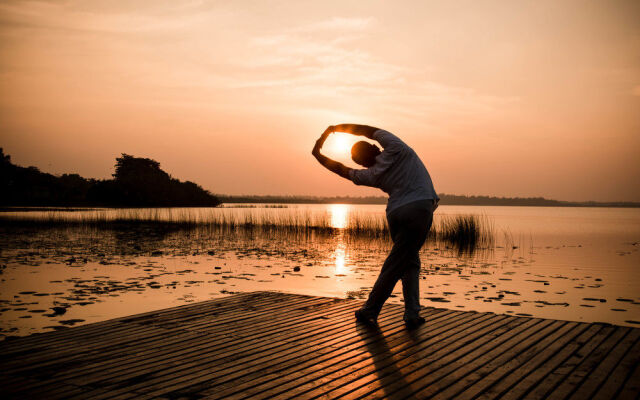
366 318
413 323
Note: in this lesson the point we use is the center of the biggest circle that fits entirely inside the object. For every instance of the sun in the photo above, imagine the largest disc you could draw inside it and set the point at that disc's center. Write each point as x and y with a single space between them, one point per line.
340 143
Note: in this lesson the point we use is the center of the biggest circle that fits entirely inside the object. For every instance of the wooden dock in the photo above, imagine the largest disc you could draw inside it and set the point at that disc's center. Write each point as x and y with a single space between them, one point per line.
266 345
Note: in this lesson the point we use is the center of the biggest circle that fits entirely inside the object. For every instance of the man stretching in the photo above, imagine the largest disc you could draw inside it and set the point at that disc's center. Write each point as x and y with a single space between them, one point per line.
398 171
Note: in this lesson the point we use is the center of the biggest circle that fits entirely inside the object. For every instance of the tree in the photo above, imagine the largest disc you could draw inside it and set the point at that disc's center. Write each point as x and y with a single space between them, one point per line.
130 168
138 182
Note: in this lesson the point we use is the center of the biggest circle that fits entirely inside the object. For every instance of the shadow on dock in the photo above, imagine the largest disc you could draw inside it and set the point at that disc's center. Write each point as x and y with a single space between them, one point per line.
266 345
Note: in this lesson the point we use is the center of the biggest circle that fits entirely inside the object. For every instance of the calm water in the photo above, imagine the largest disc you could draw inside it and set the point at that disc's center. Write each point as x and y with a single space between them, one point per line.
566 263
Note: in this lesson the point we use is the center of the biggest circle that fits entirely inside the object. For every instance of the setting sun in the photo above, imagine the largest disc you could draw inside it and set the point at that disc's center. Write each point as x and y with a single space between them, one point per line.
342 144
339 144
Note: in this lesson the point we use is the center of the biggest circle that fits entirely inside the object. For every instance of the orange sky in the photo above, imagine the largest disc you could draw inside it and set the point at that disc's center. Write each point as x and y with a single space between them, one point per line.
506 98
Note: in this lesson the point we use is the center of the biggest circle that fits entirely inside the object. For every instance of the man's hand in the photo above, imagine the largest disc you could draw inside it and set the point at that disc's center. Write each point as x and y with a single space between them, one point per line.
328 163
321 140
355 129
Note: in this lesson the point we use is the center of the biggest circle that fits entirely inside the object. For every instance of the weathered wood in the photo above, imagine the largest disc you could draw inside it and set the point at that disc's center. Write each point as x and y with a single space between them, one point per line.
427 367
539 372
119 367
588 368
97 331
225 345
382 360
200 369
505 369
631 389
268 345
346 362
111 345
282 377
604 376
560 373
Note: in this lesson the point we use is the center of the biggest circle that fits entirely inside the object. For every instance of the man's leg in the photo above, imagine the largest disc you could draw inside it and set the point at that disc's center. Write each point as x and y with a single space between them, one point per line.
391 272
411 289
407 227
411 276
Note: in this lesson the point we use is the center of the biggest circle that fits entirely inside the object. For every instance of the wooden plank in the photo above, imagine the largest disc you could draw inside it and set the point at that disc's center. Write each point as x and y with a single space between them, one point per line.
100 326
242 361
204 365
430 363
208 342
631 388
503 372
117 366
107 343
86 333
267 345
432 372
424 340
463 377
583 371
542 389
316 367
336 355
535 376
306 305
14 386
60 391
51 354
380 358
254 367
200 342
610 374
25 388
133 335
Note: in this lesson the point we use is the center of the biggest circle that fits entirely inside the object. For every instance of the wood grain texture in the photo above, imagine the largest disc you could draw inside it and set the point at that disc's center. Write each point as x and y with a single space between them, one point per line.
268 345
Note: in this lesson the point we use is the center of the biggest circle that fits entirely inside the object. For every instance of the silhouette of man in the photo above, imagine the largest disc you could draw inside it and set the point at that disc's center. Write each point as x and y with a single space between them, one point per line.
398 171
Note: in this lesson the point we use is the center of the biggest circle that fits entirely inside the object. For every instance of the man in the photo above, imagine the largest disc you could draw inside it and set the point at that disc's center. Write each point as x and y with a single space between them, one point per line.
398 171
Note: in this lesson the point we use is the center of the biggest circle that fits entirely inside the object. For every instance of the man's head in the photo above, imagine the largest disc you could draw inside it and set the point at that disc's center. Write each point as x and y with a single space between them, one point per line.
364 153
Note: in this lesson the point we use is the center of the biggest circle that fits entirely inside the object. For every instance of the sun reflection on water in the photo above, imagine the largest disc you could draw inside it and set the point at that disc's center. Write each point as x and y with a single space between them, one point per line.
340 255
339 219
339 214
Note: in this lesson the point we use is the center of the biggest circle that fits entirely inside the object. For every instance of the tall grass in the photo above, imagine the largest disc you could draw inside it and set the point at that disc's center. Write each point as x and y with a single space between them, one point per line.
463 232
466 232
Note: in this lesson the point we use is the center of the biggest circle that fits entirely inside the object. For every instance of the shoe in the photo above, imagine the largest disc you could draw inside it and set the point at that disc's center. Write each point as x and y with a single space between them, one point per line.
413 323
365 317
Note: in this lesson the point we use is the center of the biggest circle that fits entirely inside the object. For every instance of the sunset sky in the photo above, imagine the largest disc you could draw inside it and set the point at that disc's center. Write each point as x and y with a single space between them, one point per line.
503 98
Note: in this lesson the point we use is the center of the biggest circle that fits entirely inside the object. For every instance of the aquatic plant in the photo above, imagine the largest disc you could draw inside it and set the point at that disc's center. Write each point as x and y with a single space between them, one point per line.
465 232
461 232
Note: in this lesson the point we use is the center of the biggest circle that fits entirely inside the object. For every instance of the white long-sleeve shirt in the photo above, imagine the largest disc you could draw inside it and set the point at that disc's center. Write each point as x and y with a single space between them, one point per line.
398 171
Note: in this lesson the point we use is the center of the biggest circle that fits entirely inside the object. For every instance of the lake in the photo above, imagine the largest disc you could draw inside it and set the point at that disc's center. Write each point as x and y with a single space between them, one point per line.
564 263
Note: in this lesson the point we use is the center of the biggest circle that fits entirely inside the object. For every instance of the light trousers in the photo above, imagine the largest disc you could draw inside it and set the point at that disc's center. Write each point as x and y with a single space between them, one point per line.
409 226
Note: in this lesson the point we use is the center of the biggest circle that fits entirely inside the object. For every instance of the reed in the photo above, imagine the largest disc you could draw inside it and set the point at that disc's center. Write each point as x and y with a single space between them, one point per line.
462 232
466 232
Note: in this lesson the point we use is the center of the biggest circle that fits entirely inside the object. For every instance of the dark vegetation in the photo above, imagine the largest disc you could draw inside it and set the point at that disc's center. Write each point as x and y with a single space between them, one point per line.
140 182
137 182
445 199
465 233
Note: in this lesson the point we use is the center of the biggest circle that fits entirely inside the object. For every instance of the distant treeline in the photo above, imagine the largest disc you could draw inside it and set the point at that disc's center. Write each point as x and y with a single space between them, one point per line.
137 182
302 199
140 182
445 199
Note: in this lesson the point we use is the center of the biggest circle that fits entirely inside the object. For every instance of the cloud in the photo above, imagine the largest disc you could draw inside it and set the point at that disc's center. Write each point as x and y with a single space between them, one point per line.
199 53
73 16
338 24
316 70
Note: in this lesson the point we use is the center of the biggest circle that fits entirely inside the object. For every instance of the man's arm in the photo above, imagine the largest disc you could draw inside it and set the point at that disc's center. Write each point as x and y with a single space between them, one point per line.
355 129
328 163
